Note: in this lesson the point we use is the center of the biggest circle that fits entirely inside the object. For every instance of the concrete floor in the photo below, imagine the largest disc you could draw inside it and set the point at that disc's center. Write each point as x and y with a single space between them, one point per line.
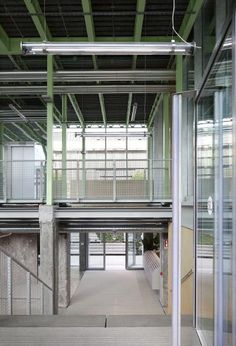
108 308
94 336
114 293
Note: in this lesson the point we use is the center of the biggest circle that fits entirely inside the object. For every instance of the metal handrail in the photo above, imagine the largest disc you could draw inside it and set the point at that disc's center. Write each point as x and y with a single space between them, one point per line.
186 276
24 267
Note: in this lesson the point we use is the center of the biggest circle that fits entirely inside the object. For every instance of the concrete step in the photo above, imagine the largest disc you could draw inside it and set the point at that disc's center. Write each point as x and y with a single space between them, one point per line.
109 321
94 336
53 321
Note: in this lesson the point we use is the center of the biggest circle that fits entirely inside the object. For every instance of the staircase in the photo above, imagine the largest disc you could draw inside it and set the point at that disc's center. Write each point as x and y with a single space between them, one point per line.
21 291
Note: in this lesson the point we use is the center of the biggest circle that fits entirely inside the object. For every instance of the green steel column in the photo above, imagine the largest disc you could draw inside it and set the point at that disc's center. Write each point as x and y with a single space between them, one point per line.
49 191
1 140
1 163
64 145
150 167
166 144
83 165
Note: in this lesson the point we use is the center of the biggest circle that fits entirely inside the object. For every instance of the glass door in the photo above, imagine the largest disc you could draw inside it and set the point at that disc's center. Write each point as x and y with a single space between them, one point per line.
214 203
96 251
134 250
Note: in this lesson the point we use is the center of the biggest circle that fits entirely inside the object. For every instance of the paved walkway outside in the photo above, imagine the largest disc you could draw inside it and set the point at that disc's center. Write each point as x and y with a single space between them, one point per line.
114 293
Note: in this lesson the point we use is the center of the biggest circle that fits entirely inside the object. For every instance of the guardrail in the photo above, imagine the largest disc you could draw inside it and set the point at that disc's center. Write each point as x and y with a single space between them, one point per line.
86 180
21 291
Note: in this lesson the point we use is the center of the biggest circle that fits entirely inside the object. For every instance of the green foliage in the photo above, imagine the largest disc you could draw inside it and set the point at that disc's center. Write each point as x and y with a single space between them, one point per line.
138 175
206 239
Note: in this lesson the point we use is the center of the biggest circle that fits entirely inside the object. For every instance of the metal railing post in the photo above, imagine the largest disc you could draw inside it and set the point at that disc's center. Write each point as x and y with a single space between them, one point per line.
9 286
28 280
114 180
150 175
41 182
42 299
77 180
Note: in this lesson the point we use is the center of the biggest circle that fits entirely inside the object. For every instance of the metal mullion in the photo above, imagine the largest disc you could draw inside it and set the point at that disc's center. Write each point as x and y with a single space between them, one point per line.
234 180
176 220
218 263
9 286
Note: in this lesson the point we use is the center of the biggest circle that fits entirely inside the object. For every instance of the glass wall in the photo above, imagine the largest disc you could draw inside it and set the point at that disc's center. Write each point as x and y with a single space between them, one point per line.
214 203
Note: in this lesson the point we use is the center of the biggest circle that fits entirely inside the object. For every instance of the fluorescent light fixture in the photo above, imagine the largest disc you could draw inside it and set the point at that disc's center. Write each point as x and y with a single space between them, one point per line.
134 111
21 115
111 48
113 134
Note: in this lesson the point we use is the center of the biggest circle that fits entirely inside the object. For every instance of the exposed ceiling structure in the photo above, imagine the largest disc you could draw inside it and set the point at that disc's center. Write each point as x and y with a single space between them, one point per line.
103 96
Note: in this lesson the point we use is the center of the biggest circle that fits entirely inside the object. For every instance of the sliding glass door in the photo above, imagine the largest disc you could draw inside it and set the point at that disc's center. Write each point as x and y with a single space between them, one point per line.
96 251
134 250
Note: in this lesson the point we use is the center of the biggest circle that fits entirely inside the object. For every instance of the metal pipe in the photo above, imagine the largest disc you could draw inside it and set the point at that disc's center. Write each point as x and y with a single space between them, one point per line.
87 89
101 48
89 76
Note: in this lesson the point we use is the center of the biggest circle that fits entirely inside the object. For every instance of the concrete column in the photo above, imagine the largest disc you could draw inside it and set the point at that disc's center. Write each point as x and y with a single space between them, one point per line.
49 250
164 269
83 238
64 270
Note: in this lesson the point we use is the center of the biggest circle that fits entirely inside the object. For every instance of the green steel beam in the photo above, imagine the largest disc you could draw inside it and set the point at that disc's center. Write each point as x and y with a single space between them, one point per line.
138 27
28 133
14 48
57 114
190 17
42 128
8 137
77 109
4 40
154 110
87 9
11 134
49 191
39 20
64 145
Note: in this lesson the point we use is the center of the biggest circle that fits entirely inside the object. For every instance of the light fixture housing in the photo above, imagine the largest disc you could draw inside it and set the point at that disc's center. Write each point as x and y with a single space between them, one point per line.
134 111
110 48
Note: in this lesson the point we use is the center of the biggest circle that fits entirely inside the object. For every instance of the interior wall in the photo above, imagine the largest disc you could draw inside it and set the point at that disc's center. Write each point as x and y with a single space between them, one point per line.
186 267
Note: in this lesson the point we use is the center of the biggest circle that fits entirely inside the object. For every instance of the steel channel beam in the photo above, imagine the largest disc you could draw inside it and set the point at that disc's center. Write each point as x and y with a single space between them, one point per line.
84 89
88 75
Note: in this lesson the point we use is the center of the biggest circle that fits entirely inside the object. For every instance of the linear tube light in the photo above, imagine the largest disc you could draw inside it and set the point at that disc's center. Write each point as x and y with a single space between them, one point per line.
78 48
134 111
113 134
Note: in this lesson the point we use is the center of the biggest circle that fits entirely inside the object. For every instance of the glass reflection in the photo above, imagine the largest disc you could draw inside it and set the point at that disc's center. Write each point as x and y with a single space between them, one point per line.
214 202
